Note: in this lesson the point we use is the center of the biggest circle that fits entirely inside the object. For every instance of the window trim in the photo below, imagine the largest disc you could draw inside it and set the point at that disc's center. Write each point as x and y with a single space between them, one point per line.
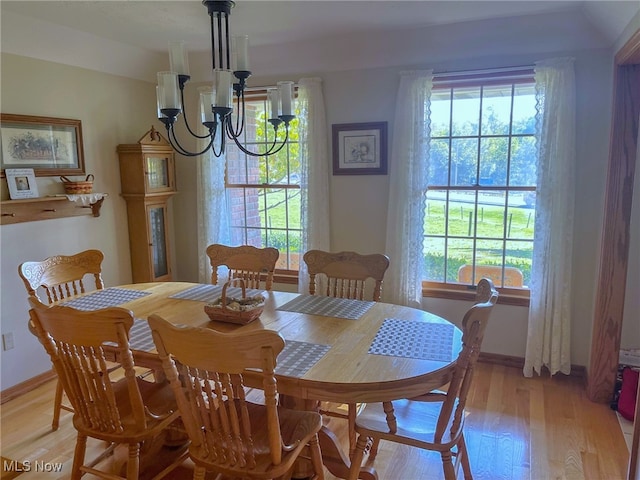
515 76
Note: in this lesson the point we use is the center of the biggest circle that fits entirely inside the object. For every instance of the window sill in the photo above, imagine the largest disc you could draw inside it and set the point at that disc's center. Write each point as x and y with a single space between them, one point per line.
508 296
289 277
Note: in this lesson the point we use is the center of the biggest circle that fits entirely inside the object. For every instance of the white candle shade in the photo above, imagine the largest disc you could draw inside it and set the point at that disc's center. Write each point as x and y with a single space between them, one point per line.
286 97
206 102
159 101
178 59
273 97
241 43
168 90
223 86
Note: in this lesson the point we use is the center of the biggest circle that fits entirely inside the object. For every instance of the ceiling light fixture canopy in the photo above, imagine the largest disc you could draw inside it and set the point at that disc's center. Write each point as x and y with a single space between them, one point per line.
229 58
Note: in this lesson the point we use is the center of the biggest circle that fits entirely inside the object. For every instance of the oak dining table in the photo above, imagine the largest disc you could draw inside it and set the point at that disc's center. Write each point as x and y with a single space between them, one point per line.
337 350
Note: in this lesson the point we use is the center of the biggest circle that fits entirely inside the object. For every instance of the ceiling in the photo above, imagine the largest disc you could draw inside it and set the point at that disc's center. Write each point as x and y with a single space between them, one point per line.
149 25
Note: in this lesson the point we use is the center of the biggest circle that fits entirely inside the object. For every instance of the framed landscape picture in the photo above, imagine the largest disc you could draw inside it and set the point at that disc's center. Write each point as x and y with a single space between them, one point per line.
50 146
360 148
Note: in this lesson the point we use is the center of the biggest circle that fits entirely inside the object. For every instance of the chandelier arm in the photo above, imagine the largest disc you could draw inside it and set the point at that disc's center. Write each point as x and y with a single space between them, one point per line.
222 146
270 151
183 151
186 122
240 125
239 128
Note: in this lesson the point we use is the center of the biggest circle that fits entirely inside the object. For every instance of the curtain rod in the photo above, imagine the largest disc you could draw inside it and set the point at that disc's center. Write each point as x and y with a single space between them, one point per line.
264 87
523 68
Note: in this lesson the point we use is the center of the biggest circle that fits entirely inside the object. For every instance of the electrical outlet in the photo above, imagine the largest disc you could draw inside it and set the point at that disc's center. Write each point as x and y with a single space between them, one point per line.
7 341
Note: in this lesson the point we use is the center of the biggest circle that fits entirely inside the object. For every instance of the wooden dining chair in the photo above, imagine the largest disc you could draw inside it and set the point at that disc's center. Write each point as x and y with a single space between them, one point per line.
230 435
126 410
512 276
435 420
346 275
60 277
247 262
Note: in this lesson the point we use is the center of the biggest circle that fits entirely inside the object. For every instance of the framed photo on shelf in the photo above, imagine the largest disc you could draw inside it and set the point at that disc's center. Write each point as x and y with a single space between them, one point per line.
21 183
50 146
360 148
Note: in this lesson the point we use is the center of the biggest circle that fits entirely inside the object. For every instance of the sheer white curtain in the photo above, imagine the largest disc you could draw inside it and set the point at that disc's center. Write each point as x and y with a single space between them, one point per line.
314 169
408 178
548 339
212 205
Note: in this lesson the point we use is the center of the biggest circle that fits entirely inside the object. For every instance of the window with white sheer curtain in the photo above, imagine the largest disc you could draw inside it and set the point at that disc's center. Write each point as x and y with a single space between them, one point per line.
425 163
280 200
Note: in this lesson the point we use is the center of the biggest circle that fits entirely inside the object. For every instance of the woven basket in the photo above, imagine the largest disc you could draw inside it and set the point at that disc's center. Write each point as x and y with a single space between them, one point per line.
220 312
75 188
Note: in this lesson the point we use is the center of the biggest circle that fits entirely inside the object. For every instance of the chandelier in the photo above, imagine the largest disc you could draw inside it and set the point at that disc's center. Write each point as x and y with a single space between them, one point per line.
230 64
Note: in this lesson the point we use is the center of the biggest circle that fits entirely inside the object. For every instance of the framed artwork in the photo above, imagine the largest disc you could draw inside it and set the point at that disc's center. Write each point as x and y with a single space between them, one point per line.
360 148
21 183
50 146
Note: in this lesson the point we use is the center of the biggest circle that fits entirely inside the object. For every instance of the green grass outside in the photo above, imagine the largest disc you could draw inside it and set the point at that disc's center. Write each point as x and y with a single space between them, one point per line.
491 224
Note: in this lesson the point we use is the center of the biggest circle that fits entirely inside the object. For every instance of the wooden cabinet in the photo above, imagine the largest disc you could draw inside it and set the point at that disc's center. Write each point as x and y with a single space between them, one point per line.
147 176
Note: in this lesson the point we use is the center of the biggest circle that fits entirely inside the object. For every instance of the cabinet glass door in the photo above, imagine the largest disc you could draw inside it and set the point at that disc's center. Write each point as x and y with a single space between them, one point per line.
159 260
158 174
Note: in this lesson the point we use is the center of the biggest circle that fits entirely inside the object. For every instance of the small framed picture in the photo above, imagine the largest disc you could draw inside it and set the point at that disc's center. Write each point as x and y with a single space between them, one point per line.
21 183
360 148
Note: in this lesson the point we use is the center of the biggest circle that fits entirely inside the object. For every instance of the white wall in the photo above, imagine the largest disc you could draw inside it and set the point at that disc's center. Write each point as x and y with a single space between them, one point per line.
113 110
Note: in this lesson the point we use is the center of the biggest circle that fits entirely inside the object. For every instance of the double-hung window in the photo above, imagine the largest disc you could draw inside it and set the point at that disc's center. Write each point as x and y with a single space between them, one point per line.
264 192
480 200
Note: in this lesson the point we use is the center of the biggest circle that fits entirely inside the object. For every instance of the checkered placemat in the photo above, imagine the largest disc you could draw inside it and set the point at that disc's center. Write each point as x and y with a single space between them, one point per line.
409 339
210 293
298 357
294 361
140 336
327 306
109 297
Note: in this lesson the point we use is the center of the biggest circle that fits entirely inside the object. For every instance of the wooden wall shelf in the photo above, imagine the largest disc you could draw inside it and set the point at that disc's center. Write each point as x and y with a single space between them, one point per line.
45 208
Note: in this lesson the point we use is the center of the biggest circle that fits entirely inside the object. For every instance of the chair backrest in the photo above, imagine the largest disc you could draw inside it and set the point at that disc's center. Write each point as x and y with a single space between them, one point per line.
484 290
205 370
474 324
75 342
346 272
62 276
246 261
512 276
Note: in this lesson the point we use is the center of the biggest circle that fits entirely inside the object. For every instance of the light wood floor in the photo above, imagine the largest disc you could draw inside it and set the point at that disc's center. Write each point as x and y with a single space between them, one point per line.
517 428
